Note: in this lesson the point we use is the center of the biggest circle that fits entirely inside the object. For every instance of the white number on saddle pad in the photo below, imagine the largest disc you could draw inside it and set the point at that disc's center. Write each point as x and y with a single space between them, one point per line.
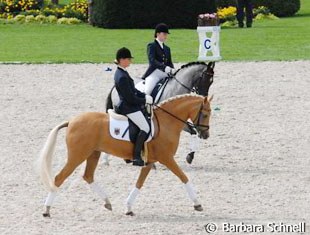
118 125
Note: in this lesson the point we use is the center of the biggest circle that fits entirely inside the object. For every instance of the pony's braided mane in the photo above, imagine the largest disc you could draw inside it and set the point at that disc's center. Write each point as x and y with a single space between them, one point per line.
177 97
189 65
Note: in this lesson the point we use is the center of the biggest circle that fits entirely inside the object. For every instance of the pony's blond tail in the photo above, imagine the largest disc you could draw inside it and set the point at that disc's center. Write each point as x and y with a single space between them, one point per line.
44 163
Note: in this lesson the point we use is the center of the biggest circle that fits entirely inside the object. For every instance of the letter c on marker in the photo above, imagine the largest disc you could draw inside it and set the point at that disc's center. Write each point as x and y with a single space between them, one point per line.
207 44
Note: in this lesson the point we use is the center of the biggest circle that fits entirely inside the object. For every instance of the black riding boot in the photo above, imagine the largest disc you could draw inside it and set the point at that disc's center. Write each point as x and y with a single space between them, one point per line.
137 160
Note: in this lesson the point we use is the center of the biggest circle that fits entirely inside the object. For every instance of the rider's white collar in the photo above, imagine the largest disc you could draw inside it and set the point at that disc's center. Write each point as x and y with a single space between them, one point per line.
160 43
121 67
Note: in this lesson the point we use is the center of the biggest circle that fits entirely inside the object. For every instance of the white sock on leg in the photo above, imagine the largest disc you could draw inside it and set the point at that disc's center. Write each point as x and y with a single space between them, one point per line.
132 197
99 190
191 192
50 198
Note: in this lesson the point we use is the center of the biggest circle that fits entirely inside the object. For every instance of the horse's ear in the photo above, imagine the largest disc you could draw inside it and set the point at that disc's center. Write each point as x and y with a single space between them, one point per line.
211 65
208 99
211 98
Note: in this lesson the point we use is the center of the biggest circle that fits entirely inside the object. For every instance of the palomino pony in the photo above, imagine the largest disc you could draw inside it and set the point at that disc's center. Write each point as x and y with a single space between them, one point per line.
196 77
88 135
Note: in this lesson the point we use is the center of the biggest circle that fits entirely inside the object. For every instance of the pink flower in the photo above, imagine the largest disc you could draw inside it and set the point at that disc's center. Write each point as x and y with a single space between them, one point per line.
212 16
201 16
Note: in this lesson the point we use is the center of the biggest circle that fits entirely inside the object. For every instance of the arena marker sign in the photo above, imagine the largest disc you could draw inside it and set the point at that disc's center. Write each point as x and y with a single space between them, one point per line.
209 37
209 48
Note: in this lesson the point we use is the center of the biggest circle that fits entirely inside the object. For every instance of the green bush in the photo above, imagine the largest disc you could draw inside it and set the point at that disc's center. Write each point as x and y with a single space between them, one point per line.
51 19
41 18
280 8
30 19
269 16
148 13
19 18
68 21
71 13
30 12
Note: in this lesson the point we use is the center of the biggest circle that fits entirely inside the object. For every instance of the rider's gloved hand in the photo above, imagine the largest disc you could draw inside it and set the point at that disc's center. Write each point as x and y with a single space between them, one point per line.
148 99
168 69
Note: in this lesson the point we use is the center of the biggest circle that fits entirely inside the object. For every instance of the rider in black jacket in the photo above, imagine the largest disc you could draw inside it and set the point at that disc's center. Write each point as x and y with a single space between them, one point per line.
159 57
131 101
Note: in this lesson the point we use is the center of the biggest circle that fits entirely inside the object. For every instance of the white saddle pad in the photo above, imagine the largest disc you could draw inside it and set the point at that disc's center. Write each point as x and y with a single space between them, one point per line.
119 124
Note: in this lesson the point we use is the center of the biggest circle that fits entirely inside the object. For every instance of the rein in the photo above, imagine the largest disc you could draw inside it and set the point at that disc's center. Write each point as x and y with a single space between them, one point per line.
187 88
191 126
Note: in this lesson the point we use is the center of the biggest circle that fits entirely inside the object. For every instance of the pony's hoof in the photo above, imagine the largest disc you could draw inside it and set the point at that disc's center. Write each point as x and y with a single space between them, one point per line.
130 213
190 157
46 215
108 206
198 208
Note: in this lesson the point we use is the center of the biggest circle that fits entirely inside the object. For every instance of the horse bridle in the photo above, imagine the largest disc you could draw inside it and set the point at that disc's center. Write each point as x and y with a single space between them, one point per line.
191 125
199 116
195 88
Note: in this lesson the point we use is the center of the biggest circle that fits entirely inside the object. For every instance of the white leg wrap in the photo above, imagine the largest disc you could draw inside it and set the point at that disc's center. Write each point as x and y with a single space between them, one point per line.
50 198
105 159
191 192
193 144
97 189
132 197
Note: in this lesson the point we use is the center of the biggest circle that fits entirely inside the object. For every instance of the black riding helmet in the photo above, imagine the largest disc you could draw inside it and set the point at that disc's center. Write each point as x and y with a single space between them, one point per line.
123 53
161 28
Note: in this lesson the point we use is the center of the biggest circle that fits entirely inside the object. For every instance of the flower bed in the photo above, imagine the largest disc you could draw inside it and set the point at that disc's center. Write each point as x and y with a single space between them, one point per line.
10 9
227 15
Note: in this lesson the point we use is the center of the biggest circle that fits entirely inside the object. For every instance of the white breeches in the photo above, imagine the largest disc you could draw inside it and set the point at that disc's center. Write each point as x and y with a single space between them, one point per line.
139 119
152 80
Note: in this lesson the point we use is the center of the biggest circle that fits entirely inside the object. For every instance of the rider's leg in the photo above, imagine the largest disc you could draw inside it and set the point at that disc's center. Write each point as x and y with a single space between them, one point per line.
139 119
151 81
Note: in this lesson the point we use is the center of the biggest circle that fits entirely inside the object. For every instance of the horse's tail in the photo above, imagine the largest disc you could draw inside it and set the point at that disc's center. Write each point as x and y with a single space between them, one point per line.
44 163
109 104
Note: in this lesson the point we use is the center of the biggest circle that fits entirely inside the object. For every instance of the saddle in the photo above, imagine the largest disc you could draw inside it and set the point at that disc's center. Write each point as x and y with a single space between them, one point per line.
122 128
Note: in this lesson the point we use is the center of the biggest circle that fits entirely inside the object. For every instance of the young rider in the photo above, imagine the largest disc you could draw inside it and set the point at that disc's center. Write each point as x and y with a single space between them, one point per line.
131 102
159 56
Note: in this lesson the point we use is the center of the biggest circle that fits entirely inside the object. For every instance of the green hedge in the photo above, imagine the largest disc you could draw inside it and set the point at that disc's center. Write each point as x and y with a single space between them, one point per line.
225 3
280 8
148 13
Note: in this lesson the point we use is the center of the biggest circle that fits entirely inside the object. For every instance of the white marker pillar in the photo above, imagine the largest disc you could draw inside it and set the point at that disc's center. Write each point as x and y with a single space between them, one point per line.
209 40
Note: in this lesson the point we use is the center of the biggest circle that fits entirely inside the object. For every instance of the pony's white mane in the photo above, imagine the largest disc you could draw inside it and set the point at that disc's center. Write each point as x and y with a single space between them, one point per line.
178 97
